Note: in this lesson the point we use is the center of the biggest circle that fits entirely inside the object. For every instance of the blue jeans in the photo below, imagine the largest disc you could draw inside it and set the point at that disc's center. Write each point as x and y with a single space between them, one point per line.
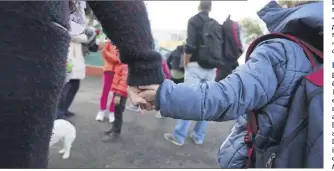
194 74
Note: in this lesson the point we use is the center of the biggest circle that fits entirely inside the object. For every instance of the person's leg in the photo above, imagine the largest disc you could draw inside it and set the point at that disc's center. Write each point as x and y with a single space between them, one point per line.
107 81
199 130
180 132
119 109
112 110
73 89
115 131
61 110
181 129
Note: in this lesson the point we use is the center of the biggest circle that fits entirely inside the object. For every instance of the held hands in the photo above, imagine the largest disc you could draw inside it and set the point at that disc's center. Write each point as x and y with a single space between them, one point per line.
143 96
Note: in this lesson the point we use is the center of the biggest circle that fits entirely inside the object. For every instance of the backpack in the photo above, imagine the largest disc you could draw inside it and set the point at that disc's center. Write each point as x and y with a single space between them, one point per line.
210 53
232 46
301 144
222 43
176 58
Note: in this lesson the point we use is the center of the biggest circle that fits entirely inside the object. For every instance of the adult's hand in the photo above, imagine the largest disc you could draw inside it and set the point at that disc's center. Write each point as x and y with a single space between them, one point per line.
133 94
149 93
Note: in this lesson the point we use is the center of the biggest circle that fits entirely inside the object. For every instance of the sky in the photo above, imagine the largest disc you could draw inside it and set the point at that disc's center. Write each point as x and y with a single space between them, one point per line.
174 15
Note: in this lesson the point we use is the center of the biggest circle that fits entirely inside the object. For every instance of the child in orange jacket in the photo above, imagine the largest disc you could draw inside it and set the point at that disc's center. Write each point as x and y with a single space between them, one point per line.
111 60
119 87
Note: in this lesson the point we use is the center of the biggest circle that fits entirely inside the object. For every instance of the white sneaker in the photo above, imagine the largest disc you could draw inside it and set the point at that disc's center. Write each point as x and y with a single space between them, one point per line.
100 115
111 117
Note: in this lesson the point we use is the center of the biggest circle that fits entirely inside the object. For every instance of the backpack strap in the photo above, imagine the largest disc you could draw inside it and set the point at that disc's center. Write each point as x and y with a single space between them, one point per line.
252 129
308 49
314 77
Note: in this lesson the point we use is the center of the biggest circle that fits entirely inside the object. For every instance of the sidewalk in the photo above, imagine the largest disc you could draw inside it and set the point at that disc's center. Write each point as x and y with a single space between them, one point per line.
142 144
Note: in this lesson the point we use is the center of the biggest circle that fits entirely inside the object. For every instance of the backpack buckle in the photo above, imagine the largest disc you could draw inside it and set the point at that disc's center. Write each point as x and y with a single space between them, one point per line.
249 138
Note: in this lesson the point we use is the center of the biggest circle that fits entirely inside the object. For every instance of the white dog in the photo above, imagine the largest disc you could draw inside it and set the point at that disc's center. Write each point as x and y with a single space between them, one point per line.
65 132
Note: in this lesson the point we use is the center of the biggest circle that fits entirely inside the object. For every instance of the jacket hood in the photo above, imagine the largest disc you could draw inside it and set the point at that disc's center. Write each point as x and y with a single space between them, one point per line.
292 20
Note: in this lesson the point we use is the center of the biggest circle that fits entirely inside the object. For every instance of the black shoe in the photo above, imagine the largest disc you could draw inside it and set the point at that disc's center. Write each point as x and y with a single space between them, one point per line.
111 137
69 114
108 132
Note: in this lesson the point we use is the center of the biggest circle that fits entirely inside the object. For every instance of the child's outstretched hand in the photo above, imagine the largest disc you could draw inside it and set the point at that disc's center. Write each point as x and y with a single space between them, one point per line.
117 99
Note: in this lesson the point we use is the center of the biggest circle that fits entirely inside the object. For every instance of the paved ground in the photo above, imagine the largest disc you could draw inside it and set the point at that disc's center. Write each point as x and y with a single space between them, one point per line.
142 144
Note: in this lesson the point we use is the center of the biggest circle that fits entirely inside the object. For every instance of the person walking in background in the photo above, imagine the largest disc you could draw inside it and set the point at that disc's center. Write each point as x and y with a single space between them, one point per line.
175 64
173 69
75 54
119 87
195 73
111 60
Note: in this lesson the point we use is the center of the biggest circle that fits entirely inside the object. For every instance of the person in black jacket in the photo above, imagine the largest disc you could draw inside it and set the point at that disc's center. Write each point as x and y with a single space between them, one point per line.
34 45
175 64
195 73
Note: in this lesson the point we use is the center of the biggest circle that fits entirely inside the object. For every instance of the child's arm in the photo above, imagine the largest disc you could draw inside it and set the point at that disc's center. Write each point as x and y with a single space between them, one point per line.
249 87
110 57
126 23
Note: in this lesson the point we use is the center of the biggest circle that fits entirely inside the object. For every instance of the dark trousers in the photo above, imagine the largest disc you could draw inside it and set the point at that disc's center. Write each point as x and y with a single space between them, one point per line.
119 109
66 97
223 73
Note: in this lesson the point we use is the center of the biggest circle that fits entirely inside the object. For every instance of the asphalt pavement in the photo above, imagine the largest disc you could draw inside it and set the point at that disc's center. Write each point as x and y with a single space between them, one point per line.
142 144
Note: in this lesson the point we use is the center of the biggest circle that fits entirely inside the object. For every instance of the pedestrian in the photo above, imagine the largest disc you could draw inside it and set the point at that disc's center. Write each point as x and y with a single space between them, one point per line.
119 87
175 69
111 60
175 64
195 72
75 54
279 89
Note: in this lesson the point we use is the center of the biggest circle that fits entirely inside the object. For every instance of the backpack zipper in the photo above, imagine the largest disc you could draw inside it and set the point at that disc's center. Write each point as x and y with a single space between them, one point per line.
273 156
270 161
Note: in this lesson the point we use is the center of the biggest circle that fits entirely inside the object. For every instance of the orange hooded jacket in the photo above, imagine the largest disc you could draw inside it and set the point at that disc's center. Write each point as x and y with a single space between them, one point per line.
120 70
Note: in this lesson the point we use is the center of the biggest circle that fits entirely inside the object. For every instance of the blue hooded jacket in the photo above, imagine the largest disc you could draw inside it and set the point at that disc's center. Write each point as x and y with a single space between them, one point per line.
264 83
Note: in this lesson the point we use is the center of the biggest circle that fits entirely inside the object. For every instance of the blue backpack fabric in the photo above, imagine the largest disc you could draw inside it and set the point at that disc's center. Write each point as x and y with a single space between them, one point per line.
301 143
